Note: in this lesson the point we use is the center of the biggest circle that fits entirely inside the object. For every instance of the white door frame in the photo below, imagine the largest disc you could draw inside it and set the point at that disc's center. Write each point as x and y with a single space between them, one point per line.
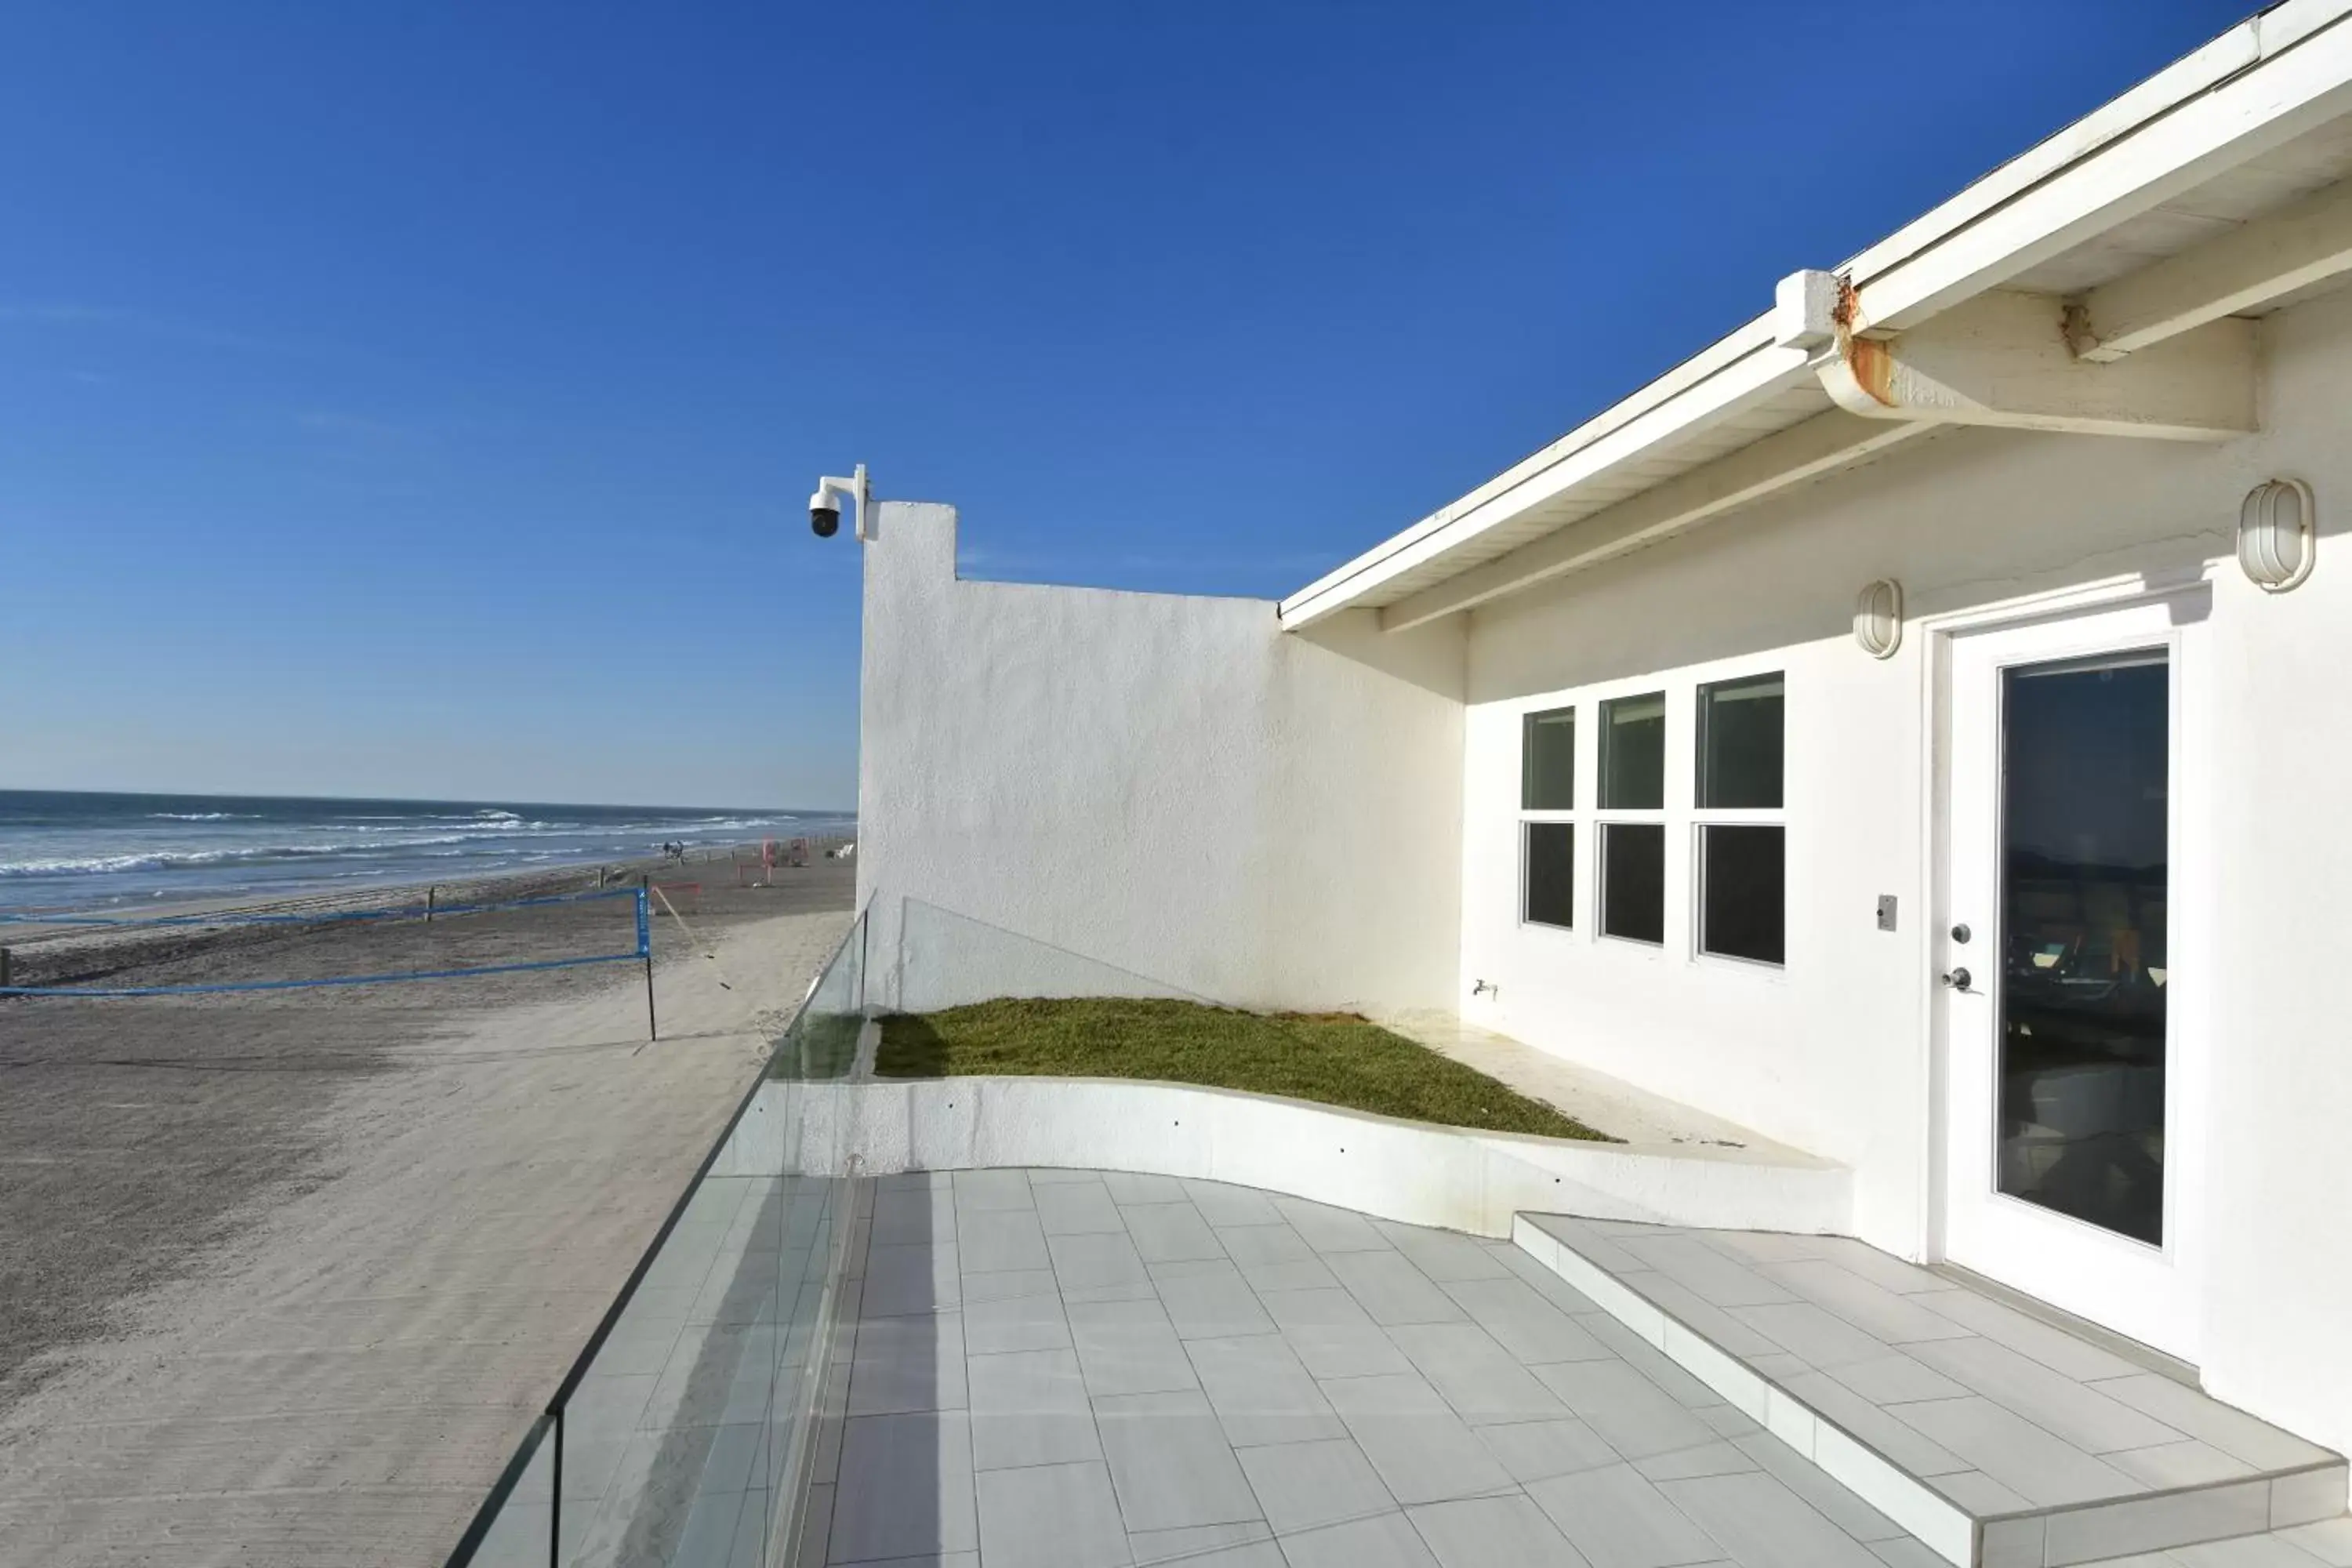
2151 1295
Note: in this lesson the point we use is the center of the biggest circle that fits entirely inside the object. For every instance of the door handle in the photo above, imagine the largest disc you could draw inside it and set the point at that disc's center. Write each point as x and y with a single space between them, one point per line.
1956 980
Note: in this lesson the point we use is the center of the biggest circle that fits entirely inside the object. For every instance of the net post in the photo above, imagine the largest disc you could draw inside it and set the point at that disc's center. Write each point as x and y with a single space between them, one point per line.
3 967
429 904
645 952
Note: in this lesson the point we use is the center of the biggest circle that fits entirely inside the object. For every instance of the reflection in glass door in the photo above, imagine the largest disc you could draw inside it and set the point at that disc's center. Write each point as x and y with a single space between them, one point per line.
2083 865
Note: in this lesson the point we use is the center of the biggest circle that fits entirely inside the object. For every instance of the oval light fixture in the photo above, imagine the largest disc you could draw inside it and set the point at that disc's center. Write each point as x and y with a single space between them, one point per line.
2278 535
1878 618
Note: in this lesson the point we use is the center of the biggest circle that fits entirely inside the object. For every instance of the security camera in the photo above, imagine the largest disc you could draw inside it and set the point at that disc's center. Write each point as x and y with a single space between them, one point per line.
824 506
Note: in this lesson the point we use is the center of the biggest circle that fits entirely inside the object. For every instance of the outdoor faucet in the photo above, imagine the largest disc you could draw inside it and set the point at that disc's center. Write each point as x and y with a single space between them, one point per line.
1483 988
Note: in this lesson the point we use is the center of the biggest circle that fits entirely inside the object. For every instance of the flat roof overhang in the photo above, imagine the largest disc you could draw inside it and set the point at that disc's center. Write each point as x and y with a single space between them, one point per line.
2101 283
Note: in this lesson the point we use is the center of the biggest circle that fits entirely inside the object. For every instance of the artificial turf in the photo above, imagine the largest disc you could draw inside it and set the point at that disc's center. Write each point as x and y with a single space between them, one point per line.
1333 1058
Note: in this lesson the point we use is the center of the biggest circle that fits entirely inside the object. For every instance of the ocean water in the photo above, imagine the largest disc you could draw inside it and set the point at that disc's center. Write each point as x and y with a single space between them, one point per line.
69 850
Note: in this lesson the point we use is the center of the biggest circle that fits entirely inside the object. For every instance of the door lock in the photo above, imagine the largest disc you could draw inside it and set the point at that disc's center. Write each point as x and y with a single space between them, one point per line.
1956 980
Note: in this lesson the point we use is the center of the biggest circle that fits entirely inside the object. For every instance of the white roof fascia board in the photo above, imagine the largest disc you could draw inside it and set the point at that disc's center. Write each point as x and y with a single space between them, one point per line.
1764 373
2289 93
1756 334
2044 199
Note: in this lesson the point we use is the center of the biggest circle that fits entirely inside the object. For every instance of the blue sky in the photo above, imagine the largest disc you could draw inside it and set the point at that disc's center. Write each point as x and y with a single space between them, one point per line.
422 399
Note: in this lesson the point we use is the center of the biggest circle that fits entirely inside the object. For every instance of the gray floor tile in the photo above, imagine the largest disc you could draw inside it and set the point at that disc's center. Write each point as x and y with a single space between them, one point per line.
1076 1208
1328 1229
1247 1545
1046 1175
1215 1303
906 1487
1894 1380
1589 1242
1822 1338
1722 1457
1222 1205
1618 1519
1424 1452
2079 1414
1763 1524
2252 1552
1883 1269
1299 1273
1051 1516
1910 1449
1895 1318
1261 1391
905 1279
2233 1431
1007 1287
1333 1335
1019 1323
1481 1381
1128 1347
913 1216
1521 1320
2052 1347
981 1191
1388 1541
1539 1450
1705 1319
1447 1257
2330 1541
1906 1554
2188 1463
1633 1415
1392 1290
1824 1496
1092 1262
908 1363
1700 1268
1654 1363
1171 1233
1171 1462
2014 1451
1000 1241
1127 1187
1478 1533
1302 1485
1543 1281
1978 1493
1250 1244
1029 1407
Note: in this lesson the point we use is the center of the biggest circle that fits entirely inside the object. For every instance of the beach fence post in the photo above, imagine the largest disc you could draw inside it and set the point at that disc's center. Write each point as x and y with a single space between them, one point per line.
645 952
429 904
3 967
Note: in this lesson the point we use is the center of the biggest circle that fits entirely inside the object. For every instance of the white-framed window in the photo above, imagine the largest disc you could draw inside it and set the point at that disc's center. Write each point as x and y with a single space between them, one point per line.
1547 819
1740 849
1631 818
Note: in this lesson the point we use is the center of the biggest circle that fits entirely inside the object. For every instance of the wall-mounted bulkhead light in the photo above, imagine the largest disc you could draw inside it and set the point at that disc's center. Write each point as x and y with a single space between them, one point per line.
1878 618
2278 535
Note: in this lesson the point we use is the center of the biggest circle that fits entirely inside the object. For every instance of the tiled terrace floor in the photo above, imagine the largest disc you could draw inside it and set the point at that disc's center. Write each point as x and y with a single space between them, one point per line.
2063 1449
1067 1368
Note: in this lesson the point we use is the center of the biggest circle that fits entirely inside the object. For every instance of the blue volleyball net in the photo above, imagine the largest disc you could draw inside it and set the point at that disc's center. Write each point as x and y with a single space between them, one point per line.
51 926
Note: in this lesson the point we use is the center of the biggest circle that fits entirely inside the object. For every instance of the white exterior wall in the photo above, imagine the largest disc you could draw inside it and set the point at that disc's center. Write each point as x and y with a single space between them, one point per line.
1833 1054
1162 783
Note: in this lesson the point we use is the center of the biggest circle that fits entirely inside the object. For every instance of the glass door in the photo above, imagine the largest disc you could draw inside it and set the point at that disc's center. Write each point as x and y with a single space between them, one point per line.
2062 1093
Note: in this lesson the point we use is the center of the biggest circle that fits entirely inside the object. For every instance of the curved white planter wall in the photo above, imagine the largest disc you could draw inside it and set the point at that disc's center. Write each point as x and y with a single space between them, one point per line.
1407 1171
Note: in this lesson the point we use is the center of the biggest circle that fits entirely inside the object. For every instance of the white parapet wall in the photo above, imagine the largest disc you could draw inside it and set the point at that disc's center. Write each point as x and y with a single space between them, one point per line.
1408 1171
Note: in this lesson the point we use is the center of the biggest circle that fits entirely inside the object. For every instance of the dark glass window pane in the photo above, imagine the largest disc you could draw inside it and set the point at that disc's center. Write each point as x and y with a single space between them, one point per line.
1634 754
1552 873
1743 907
1739 743
1548 761
1633 881
2085 876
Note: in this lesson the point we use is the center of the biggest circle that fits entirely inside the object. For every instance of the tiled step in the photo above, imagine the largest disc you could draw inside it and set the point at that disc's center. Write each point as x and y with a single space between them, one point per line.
1995 1437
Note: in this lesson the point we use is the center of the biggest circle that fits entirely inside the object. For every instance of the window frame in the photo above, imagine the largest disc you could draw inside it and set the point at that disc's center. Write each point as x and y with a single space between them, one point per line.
1608 816
1572 815
1703 816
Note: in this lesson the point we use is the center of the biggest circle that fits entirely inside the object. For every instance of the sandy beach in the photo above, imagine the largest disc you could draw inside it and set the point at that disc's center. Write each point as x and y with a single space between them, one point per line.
285 1275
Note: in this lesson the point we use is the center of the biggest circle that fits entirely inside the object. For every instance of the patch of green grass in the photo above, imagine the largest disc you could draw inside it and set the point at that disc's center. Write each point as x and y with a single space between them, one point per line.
820 1046
1333 1058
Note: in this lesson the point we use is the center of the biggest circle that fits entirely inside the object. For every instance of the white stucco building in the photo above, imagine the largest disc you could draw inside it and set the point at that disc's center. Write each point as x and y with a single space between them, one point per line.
1981 606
